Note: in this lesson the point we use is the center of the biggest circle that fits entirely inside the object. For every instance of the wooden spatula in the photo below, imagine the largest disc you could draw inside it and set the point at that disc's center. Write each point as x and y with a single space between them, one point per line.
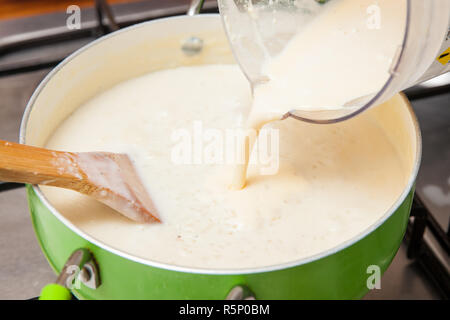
108 177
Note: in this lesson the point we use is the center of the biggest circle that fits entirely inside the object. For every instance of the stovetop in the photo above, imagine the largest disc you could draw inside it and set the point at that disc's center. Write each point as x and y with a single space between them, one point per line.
420 269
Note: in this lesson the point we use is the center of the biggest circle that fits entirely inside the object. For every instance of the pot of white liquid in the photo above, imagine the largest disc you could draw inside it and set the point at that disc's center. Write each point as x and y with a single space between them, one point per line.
326 226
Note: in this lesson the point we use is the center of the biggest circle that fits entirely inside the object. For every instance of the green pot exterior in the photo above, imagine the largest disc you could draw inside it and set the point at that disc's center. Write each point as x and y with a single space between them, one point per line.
342 275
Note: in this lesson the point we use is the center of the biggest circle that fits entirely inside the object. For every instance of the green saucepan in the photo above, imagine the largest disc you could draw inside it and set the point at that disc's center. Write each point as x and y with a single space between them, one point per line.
346 271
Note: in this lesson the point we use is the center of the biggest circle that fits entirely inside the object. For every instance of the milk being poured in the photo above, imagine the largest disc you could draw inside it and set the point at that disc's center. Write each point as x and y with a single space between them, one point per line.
343 54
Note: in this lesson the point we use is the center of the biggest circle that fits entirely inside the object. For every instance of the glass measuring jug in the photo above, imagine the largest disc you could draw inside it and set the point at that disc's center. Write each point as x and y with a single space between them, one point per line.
261 30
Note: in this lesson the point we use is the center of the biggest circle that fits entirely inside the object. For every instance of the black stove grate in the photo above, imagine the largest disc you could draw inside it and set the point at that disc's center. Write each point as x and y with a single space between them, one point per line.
104 22
5 186
422 252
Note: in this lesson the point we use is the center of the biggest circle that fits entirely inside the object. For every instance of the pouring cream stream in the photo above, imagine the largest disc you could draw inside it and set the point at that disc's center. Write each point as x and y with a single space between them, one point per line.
345 53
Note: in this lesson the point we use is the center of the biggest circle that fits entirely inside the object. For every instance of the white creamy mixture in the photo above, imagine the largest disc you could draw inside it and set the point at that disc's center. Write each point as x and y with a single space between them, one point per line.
343 54
333 182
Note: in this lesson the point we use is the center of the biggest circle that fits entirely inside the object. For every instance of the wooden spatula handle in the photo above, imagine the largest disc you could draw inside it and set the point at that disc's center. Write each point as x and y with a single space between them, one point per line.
107 177
27 164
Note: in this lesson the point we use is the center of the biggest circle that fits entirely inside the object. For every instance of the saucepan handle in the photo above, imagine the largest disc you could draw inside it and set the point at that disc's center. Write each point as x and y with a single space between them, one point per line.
240 292
79 268
195 7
